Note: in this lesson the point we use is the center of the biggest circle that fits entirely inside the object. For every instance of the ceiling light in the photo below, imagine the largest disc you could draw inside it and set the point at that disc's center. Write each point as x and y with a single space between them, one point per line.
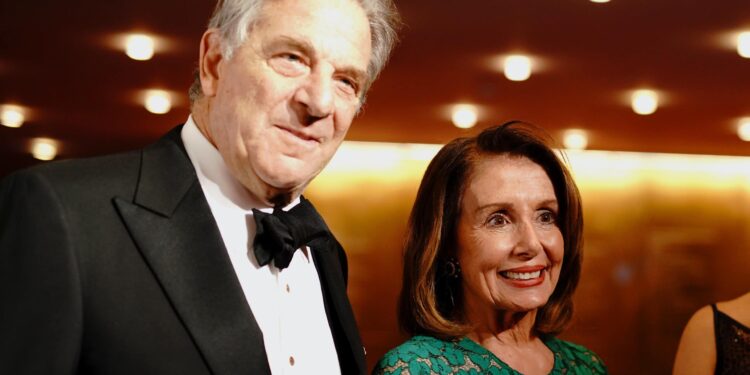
575 139
644 102
139 47
743 129
600 1
743 44
517 67
44 148
464 116
12 116
158 101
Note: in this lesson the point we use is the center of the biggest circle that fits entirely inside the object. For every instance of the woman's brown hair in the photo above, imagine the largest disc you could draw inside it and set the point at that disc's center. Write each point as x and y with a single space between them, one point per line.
430 301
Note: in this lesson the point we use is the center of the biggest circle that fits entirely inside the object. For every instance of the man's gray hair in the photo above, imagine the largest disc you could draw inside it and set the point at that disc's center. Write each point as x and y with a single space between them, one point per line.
235 18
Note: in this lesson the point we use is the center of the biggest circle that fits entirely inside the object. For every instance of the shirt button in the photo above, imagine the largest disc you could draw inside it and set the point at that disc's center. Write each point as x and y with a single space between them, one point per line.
287 288
291 361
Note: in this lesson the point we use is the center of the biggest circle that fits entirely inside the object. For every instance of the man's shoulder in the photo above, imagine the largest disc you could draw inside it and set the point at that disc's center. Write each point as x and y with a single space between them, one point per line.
89 173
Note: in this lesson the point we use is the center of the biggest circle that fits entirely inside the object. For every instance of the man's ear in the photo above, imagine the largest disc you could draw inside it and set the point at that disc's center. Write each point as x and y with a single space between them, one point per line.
209 63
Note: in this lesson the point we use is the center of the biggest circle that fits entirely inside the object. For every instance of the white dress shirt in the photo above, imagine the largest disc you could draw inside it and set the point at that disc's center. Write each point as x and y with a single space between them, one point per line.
287 304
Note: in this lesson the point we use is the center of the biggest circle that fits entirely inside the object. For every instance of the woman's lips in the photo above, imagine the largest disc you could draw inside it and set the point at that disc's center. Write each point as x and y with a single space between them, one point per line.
524 277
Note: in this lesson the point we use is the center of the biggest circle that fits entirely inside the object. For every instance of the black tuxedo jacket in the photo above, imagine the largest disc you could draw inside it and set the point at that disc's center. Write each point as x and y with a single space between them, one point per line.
115 265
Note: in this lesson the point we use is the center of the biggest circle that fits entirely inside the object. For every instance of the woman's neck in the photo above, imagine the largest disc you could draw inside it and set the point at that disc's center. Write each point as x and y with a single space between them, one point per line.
508 327
510 336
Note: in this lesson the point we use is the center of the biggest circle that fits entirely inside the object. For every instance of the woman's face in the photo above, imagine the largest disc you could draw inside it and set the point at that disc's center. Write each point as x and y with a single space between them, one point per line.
510 247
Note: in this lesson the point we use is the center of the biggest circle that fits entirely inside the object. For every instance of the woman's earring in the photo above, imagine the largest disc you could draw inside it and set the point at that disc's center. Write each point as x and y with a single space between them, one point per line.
452 268
453 273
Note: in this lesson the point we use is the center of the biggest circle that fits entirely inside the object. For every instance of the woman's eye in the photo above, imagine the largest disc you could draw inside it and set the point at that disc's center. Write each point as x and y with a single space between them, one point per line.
547 217
498 220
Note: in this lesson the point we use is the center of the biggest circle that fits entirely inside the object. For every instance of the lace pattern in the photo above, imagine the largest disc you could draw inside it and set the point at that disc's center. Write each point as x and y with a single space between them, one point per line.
428 355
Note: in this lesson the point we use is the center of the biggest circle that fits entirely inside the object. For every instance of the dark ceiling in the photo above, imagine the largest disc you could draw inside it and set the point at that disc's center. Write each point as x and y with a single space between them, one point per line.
54 59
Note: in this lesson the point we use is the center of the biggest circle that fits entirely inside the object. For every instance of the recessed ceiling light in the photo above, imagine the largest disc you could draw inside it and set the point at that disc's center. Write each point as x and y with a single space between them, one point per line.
575 139
464 116
158 101
600 1
517 67
644 102
44 148
139 47
743 129
12 116
743 44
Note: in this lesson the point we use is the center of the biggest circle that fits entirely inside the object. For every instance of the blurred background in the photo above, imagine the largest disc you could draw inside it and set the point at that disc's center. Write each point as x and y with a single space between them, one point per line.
650 100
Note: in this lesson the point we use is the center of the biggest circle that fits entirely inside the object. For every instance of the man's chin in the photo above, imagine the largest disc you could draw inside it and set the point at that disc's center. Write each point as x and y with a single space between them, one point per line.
280 195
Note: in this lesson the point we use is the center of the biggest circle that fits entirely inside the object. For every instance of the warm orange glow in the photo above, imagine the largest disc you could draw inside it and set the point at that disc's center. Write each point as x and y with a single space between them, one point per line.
12 116
139 47
517 67
158 102
397 161
464 116
743 129
645 102
743 44
653 222
575 139
44 148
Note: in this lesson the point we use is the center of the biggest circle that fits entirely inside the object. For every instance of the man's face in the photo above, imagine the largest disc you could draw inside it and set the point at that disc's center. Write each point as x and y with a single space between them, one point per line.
281 106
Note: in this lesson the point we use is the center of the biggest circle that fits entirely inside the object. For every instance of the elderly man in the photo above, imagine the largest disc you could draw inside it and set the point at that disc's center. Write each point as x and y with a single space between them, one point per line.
198 254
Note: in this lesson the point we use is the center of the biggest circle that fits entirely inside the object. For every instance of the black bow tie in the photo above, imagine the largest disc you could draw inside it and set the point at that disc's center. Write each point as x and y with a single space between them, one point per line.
280 234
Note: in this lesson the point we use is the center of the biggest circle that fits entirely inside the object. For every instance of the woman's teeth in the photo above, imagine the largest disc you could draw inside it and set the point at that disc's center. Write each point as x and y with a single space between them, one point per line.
521 275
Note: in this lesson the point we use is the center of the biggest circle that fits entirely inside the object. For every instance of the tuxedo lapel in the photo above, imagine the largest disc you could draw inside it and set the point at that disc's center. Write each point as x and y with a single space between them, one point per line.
330 262
172 225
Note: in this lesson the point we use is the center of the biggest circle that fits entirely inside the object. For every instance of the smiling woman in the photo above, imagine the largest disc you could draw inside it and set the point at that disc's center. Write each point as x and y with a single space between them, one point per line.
492 258
509 245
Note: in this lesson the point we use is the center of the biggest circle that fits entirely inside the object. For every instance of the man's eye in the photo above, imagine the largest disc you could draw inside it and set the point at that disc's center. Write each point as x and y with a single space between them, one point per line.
348 82
291 57
349 85
288 64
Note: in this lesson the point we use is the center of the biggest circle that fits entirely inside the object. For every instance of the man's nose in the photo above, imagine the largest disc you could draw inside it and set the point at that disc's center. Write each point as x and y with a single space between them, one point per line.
315 97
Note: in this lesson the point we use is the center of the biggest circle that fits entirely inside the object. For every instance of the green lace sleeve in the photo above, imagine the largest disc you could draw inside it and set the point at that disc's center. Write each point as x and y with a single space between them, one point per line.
418 355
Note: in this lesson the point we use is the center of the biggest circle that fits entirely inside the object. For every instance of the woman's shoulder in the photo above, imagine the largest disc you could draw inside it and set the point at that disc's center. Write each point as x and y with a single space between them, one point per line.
430 355
573 356
417 355
418 347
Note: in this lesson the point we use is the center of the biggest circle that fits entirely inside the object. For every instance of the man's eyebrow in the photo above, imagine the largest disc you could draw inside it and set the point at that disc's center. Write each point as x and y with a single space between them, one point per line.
303 45
295 43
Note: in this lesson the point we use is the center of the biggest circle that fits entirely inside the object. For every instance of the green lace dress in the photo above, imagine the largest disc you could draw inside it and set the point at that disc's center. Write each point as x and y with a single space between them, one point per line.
428 355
